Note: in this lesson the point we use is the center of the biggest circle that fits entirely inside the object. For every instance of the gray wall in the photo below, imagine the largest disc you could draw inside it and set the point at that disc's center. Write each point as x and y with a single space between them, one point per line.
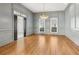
58 14
6 25
69 32
7 22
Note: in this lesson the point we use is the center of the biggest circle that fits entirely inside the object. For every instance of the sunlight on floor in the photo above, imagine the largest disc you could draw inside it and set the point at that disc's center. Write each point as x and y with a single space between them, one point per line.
20 44
41 41
54 44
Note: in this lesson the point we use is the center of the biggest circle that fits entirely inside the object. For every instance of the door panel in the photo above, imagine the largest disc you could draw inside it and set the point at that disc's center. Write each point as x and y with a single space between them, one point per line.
20 27
24 27
15 27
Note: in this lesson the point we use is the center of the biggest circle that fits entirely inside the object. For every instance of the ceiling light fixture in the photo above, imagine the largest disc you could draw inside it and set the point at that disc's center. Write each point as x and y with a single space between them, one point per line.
44 14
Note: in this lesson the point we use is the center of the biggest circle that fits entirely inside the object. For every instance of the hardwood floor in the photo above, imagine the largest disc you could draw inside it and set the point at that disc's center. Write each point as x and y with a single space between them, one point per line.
41 45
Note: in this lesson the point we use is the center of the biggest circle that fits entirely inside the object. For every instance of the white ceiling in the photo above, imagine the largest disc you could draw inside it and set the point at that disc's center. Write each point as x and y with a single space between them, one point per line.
38 7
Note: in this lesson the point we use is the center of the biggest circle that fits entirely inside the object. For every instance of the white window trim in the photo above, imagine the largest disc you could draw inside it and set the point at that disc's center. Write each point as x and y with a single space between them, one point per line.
39 26
57 25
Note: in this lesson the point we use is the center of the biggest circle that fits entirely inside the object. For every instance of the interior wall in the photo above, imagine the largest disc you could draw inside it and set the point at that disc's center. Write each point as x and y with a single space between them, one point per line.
59 14
7 21
6 25
69 32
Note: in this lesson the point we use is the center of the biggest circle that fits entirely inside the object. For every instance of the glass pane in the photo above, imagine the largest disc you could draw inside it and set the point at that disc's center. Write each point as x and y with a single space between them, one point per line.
54 29
42 29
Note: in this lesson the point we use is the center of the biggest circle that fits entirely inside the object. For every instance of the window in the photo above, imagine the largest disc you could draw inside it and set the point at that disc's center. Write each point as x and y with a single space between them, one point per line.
54 24
41 25
74 12
72 16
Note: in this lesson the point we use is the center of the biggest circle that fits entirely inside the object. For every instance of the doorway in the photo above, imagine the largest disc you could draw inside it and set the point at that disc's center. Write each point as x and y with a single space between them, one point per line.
19 27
